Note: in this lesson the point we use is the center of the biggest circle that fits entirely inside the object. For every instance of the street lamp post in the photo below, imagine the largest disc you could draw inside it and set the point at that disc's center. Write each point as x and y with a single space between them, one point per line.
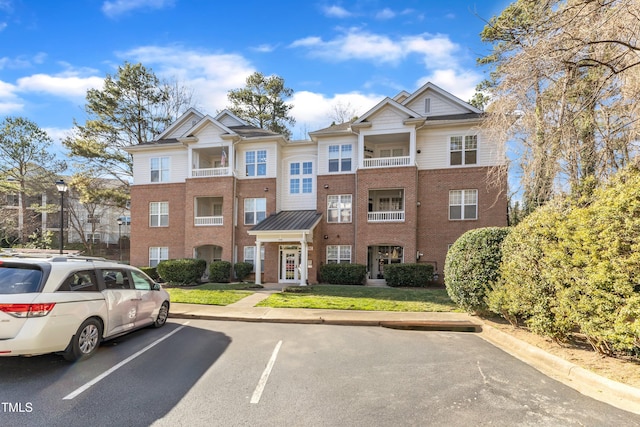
120 237
62 188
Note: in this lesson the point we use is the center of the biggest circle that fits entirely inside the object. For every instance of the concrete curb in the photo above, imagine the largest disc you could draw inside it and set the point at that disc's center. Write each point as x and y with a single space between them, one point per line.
582 380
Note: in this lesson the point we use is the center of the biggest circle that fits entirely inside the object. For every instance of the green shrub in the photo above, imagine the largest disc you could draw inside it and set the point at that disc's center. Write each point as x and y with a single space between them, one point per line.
343 274
183 271
151 272
410 275
529 280
242 270
472 264
297 289
220 271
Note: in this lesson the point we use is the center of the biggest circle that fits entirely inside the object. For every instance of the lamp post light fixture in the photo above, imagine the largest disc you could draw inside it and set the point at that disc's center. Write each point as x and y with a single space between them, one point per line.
62 188
120 222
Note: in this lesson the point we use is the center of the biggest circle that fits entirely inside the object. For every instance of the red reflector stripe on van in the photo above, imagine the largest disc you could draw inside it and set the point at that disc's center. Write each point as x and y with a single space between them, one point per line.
27 310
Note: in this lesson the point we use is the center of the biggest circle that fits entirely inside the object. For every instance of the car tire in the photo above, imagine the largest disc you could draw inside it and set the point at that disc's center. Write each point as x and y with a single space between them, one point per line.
85 342
163 314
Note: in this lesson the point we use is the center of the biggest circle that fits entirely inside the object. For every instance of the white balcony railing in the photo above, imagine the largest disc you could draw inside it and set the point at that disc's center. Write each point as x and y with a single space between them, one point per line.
208 172
386 216
208 220
386 162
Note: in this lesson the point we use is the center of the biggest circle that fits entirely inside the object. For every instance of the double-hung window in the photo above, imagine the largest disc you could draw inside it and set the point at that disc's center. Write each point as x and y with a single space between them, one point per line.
159 214
301 178
159 169
157 254
337 254
463 150
339 208
256 163
255 210
340 158
250 256
463 204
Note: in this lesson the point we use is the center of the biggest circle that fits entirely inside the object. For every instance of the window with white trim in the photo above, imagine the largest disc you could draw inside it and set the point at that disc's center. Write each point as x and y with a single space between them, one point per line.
339 208
337 254
157 254
250 257
256 163
255 210
463 150
159 167
463 204
340 158
159 214
301 173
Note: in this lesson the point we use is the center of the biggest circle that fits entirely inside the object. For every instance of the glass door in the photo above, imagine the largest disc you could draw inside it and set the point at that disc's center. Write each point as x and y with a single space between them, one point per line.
290 262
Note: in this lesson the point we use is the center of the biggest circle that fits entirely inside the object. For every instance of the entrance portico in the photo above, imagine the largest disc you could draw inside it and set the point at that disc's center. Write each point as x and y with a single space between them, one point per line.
293 230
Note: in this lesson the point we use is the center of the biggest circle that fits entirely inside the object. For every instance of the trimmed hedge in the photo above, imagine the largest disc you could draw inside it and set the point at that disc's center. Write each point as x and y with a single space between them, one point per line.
151 272
343 274
183 271
242 270
220 272
472 265
410 275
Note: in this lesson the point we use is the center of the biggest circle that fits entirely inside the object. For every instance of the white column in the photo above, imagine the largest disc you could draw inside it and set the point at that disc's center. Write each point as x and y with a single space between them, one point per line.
258 263
303 263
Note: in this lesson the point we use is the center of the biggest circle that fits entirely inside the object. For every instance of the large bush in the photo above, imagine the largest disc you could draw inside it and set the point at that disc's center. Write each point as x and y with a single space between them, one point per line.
181 271
410 275
151 272
220 271
242 270
343 274
472 264
529 282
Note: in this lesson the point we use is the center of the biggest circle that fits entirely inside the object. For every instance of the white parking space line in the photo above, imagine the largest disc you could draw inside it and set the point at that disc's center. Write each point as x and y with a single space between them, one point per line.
265 375
105 374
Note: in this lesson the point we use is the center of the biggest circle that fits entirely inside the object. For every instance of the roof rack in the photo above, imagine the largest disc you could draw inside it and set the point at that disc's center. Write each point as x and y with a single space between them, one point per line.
64 258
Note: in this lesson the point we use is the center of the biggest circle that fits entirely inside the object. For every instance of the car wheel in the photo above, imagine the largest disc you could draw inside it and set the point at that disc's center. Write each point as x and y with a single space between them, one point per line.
85 342
162 315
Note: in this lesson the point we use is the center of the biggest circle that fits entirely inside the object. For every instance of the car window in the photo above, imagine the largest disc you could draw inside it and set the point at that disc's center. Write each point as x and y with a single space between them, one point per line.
141 281
80 281
20 280
116 279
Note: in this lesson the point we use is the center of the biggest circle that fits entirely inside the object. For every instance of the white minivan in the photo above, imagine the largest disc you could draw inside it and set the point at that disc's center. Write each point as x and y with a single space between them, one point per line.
70 304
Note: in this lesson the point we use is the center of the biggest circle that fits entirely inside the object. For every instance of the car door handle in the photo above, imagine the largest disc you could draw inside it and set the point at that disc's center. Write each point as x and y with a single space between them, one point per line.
136 299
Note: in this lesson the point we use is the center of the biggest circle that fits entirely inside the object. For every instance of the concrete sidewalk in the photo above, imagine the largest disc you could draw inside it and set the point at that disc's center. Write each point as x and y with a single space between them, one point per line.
586 382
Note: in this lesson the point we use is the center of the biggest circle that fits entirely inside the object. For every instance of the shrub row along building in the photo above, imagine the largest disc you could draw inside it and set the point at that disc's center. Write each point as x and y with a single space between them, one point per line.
397 185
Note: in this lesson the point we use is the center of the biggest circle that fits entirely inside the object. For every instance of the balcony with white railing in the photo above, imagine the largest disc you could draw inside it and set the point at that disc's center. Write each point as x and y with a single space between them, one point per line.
386 162
208 220
209 172
385 216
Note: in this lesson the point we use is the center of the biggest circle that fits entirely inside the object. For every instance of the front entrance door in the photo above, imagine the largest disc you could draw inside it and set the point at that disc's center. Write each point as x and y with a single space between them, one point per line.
289 265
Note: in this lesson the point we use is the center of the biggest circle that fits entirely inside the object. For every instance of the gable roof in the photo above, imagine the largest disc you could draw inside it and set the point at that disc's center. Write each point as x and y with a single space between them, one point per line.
289 221
226 113
387 102
430 86
190 113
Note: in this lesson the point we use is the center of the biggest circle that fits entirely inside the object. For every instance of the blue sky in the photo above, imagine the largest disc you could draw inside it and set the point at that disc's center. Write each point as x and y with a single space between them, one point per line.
352 53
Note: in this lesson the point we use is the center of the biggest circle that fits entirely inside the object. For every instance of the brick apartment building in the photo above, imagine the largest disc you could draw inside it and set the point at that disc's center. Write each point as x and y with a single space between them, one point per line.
398 185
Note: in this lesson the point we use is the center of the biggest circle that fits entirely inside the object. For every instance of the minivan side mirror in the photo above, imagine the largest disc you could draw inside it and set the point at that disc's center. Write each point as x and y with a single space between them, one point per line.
156 286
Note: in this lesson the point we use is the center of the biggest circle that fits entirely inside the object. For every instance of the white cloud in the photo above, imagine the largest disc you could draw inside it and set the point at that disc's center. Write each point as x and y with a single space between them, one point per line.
119 7
264 48
313 110
65 85
361 45
459 83
9 102
210 75
336 12
385 14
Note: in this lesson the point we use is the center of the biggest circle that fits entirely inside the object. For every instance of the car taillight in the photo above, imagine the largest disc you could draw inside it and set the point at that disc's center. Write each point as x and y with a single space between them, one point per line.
27 310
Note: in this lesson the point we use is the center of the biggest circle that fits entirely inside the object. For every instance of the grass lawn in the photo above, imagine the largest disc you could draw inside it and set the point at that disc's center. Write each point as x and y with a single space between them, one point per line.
336 297
210 293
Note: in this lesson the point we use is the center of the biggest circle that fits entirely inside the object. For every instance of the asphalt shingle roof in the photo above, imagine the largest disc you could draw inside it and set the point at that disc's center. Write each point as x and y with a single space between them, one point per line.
289 220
